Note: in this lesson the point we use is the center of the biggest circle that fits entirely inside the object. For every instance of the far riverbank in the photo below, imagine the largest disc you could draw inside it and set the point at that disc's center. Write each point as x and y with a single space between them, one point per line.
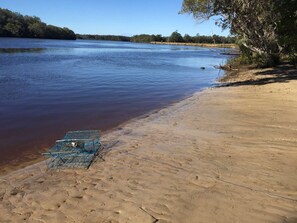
207 45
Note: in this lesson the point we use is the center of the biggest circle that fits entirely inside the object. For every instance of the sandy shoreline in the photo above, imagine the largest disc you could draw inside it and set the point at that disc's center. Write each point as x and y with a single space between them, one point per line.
207 45
20 164
227 154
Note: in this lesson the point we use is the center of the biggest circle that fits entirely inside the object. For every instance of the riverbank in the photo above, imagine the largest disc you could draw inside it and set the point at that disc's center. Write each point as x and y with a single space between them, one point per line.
227 154
207 45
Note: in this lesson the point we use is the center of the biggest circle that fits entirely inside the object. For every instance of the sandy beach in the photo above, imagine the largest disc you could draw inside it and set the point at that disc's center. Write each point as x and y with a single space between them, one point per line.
227 154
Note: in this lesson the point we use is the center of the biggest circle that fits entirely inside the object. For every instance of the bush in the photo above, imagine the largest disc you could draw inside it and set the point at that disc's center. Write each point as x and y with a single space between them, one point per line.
259 60
293 59
265 60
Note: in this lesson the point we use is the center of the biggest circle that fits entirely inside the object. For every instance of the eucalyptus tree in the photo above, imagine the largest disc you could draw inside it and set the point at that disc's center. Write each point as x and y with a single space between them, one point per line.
255 22
287 25
176 37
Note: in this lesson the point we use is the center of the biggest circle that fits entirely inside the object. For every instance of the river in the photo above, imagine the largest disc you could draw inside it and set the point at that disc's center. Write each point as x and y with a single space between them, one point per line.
48 87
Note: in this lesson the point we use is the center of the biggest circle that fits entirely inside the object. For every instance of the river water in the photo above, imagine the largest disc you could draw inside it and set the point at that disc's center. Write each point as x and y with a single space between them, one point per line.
48 87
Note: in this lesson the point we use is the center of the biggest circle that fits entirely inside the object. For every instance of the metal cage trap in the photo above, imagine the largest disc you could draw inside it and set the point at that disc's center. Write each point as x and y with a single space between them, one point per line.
76 150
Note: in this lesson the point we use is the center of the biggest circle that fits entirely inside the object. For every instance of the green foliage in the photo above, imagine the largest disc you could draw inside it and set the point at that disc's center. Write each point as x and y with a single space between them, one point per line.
143 38
37 29
158 38
287 25
266 60
176 37
200 9
267 28
293 59
146 38
261 61
213 39
103 37
187 38
240 60
13 24
249 57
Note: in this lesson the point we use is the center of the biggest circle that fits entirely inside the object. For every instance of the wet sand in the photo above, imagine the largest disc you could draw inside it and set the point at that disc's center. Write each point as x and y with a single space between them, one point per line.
228 154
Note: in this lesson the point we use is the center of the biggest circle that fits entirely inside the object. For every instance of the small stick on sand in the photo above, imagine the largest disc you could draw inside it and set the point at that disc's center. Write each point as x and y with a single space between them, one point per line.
155 219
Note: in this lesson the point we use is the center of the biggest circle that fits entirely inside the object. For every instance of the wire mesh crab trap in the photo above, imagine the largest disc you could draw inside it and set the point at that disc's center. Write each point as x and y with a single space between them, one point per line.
76 150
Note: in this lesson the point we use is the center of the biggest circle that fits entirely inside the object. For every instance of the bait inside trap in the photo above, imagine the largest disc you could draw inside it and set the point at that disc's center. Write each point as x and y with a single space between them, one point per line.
76 150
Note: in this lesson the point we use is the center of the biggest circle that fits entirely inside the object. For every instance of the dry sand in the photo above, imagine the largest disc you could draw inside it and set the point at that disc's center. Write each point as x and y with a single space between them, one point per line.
227 154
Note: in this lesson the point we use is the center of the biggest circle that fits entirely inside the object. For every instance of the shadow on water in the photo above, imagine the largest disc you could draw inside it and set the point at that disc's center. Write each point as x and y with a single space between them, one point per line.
280 74
21 50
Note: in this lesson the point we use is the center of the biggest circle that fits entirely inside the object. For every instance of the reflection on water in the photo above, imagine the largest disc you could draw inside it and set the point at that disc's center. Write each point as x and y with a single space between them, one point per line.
21 50
51 86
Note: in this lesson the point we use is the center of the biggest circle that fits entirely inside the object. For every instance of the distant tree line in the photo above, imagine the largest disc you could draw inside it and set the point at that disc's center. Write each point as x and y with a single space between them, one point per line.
174 37
177 37
103 37
14 24
209 39
146 38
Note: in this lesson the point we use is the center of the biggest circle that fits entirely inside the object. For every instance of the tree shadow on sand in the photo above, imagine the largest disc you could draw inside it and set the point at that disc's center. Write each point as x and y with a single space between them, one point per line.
281 74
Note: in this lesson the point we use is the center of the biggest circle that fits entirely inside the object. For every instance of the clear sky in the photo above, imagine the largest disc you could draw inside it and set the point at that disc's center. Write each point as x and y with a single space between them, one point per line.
115 17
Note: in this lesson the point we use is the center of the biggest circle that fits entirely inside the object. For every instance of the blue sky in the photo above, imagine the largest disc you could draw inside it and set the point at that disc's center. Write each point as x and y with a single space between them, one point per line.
116 17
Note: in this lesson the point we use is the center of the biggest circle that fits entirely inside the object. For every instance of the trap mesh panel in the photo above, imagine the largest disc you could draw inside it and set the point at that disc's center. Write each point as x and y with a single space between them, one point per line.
86 134
77 161
76 149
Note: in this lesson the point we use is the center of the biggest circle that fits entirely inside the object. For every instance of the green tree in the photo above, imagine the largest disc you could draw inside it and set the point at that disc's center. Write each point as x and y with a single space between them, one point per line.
12 29
187 38
68 33
13 24
287 25
158 38
103 37
176 37
143 38
37 29
258 24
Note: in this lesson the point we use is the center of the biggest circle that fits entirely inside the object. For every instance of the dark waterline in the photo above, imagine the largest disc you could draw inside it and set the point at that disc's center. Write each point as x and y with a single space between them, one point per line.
48 87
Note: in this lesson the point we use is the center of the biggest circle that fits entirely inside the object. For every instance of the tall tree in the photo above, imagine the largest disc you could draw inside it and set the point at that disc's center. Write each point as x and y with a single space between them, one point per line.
188 38
256 23
287 25
176 37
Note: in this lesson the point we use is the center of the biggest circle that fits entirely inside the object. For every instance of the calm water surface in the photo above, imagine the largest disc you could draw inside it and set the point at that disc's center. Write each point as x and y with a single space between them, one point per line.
48 87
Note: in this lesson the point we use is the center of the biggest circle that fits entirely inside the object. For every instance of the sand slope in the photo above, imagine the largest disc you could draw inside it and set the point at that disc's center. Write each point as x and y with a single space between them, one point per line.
225 155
